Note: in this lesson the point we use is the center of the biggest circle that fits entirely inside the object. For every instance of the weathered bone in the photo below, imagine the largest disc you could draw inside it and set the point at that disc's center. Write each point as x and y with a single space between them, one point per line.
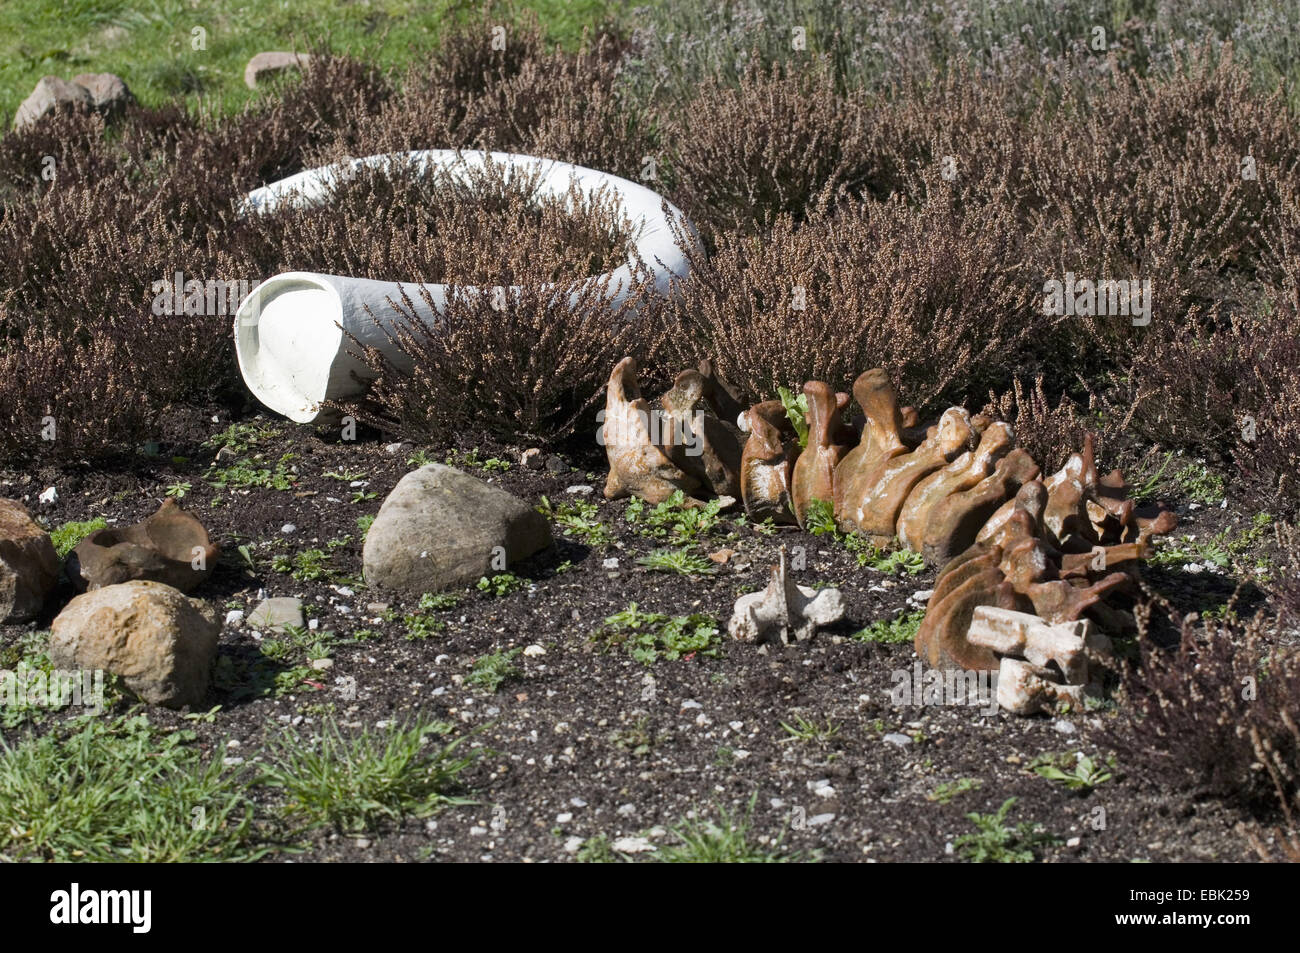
171 547
962 474
709 452
813 477
784 612
881 441
637 467
876 511
721 400
954 523
941 638
766 463
1025 690
1044 645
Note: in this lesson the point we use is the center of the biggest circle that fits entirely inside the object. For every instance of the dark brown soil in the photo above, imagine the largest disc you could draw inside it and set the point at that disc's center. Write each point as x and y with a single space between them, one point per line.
588 741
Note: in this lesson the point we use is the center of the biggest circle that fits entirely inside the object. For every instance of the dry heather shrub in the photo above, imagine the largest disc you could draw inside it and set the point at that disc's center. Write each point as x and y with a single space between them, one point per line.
1216 715
1144 179
1181 387
272 139
412 224
780 143
940 296
75 140
436 95
962 131
89 391
568 106
1050 434
525 354
526 371
1266 425
524 99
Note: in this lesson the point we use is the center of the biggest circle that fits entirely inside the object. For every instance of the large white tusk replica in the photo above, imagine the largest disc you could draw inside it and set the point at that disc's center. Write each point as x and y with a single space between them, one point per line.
294 332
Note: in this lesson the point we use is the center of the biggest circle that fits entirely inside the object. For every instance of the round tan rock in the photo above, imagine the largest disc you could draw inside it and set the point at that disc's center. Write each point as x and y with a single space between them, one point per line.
161 642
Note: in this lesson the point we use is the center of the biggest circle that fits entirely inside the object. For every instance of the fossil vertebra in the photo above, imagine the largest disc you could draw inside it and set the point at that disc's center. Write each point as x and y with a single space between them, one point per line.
784 612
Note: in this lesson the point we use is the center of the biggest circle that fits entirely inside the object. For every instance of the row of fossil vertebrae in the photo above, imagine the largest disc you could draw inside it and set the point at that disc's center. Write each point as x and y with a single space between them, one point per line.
958 492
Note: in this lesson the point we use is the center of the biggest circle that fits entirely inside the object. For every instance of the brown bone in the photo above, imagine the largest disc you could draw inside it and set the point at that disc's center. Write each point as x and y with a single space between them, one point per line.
720 397
941 639
697 441
637 467
164 548
765 467
954 523
960 475
881 442
877 513
813 477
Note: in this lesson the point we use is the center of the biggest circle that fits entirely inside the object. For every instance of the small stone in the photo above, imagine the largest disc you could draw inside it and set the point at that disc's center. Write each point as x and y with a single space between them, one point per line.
611 563
556 465
275 614
626 810
226 455
817 820
577 802
922 595
393 449
532 459
563 818
49 495
632 845
363 843
1064 727
288 528
572 845
443 529
580 489
322 664
894 738
234 617
534 651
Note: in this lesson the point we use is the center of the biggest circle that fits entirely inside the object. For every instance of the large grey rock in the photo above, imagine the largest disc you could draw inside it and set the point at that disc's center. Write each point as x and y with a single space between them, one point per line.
108 91
161 642
29 566
50 93
439 529
263 66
